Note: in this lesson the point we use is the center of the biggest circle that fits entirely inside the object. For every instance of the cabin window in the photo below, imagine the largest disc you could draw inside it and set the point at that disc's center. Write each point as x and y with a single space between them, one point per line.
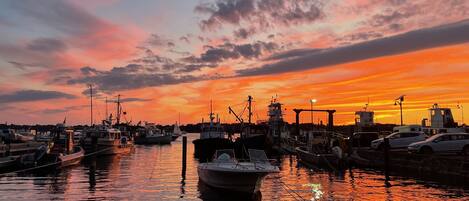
409 135
396 136
445 138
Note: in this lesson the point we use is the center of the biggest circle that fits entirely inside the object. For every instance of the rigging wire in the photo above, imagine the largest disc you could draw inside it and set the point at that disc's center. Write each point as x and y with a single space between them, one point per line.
290 191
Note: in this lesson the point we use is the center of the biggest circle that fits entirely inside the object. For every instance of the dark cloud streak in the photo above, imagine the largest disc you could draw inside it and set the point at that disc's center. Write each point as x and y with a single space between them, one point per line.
33 95
450 34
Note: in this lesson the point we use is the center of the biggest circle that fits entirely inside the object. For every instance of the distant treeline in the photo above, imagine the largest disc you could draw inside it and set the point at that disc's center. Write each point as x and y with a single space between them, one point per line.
196 128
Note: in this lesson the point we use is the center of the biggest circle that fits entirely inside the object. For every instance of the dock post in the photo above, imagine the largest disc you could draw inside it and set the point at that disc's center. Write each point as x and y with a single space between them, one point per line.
184 156
94 143
386 158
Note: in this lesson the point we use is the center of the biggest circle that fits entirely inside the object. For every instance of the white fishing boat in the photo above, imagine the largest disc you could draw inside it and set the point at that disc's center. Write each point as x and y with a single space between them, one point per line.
226 173
109 141
151 134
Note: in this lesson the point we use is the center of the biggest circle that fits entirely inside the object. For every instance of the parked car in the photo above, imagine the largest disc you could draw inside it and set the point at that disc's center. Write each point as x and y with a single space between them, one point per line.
447 142
363 139
399 140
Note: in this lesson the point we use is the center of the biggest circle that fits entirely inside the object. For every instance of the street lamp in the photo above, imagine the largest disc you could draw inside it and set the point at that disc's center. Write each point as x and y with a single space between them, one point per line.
398 101
312 101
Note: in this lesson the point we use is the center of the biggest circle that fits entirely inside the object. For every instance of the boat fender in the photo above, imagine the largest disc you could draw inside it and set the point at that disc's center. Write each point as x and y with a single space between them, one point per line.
123 140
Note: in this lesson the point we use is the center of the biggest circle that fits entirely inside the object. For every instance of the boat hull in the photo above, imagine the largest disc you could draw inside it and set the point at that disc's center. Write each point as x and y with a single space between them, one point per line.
72 159
108 148
8 163
174 137
245 182
312 159
166 139
204 149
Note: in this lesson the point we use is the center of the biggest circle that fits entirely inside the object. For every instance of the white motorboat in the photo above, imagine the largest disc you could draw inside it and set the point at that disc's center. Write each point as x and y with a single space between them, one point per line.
151 134
226 173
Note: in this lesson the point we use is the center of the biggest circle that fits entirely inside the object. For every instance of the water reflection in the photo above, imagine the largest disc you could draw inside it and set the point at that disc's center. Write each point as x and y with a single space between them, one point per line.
209 193
155 173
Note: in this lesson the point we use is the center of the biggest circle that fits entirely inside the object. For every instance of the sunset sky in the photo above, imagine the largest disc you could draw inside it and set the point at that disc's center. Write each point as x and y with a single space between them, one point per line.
171 57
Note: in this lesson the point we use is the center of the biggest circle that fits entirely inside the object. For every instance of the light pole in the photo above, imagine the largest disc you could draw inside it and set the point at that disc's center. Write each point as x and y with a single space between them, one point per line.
312 101
399 101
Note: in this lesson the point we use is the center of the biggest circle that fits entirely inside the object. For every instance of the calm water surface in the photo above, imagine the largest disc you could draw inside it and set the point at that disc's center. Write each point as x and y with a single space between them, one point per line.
154 173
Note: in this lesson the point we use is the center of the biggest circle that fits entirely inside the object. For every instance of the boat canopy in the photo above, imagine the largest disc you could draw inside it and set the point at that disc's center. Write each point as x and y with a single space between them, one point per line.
256 155
225 155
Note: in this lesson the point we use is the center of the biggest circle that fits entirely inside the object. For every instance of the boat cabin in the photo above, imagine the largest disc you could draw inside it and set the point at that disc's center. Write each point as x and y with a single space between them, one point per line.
364 118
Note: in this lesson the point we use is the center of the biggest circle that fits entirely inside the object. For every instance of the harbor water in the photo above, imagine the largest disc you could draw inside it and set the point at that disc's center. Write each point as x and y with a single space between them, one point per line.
154 173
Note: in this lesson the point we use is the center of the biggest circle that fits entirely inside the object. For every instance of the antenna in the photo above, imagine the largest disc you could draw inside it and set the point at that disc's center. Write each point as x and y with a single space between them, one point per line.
367 104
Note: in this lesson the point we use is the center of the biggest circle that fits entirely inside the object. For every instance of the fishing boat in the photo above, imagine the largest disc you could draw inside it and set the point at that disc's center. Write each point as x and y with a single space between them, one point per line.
67 154
317 159
8 162
73 157
108 141
12 150
320 154
212 138
151 134
278 134
59 152
252 136
14 136
103 139
226 173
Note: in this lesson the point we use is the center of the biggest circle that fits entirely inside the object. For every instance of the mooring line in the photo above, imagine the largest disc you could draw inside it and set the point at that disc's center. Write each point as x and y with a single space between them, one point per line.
288 189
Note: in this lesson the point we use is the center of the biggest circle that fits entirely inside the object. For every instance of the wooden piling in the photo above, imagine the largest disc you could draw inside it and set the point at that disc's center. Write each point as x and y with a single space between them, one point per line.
184 156
386 158
94 143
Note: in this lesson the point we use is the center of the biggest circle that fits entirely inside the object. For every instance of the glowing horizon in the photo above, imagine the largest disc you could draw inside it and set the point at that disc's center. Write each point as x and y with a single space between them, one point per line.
170 58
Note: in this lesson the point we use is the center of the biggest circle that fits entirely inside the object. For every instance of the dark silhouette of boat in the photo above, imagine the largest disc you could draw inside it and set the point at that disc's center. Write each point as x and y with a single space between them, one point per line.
212 138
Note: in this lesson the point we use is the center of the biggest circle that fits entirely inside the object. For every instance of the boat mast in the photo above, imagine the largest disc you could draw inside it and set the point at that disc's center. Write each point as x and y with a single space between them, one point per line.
249 115
91 104
118 115
211 119
106 108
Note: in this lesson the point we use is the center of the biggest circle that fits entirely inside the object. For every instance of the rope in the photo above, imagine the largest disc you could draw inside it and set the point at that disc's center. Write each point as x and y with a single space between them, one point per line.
50 164
289 190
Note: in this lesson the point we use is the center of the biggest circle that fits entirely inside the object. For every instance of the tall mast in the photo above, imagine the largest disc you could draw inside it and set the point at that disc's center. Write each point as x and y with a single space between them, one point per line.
211 113
106 117
118 115
250 108
91 104
249 115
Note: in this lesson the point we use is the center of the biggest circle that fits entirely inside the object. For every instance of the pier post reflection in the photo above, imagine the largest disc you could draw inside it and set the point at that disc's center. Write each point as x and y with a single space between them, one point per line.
92 174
